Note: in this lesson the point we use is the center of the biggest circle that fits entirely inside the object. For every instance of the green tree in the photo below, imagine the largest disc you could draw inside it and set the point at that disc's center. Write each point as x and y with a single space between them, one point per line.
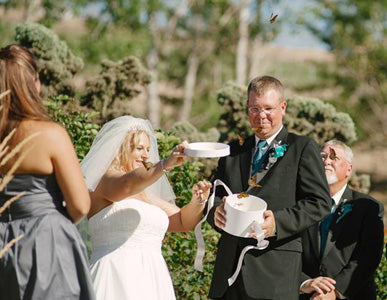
79 124
32 10
57 63
355 31
117 81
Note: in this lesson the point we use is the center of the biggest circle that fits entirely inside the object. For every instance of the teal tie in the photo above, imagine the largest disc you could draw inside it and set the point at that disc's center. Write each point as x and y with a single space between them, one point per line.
324 228
259 157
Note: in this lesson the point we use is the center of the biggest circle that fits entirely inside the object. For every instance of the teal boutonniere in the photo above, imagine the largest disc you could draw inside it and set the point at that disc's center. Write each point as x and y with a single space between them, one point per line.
276 152
279 150
344 209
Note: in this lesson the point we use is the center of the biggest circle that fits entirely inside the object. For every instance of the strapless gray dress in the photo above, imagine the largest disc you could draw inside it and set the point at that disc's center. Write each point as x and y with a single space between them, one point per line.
50 261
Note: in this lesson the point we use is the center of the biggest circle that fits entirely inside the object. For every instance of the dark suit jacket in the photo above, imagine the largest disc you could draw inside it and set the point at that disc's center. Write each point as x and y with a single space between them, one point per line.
353 250
296 190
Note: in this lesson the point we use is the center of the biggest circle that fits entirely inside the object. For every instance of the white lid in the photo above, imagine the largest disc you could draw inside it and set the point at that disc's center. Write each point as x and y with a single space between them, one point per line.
207 149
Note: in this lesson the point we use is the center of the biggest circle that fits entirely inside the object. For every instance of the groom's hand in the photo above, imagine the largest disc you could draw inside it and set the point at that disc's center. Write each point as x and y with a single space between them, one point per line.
220 215
268 225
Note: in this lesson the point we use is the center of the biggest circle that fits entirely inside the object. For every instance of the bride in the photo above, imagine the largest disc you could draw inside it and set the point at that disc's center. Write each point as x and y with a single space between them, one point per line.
132 208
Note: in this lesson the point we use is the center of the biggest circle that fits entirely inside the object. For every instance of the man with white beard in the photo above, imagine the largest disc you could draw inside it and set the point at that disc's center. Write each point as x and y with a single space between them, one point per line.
342 252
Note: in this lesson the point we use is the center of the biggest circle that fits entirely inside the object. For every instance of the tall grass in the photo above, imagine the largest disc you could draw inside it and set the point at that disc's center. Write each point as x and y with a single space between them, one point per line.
5 156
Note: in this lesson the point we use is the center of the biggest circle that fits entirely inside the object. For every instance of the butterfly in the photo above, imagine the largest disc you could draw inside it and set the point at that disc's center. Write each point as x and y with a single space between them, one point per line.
252 181
147 165
272 18
332 154
241 140
242 195
257 129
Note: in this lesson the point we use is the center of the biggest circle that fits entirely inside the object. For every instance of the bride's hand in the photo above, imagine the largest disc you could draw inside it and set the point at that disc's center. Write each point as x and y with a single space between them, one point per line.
201 191
177 156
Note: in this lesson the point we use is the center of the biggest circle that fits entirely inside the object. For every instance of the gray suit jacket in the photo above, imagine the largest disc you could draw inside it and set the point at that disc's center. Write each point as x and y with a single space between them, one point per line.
296 190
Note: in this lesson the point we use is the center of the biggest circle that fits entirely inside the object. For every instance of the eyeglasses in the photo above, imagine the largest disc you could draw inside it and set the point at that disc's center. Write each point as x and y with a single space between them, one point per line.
256 110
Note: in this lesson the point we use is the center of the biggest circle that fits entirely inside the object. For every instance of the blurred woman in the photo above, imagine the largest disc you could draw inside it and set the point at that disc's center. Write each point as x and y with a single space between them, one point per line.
132 208
49 261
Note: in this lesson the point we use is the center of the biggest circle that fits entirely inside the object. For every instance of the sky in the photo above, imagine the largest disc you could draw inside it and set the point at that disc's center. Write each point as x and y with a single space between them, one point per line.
292 33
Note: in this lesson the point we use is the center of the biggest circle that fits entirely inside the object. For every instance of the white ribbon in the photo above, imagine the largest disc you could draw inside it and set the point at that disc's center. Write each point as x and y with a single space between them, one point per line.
261 242
198 265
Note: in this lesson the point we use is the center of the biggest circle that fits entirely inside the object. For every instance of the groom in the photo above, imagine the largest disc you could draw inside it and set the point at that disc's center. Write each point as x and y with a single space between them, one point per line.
286 171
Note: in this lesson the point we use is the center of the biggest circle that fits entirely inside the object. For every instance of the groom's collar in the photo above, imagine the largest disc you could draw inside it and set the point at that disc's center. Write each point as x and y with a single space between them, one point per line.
270 139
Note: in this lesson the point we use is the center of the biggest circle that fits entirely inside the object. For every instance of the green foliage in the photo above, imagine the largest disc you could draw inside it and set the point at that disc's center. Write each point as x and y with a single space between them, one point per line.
186 131
319 120
179 252
166 142
184 177
120 81
353 30
57 64
381 276
234 121
102 42
54 11
80 126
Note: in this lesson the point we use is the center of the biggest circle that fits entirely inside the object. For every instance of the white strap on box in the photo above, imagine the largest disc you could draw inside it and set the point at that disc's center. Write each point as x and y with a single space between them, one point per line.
261 242
198 265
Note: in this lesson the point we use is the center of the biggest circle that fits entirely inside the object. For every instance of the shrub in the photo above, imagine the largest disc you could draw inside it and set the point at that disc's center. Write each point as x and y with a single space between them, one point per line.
57 64
234 121
78 124
381 276
319 120
186 131
117 81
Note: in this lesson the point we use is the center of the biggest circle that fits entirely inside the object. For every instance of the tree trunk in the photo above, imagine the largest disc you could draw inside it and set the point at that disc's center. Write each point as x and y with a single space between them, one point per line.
104 106
189 86
241 59
255 59
153 94
217 69
30 8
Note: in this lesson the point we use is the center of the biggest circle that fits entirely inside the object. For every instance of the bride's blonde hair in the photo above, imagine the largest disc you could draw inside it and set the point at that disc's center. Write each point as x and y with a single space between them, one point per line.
131 141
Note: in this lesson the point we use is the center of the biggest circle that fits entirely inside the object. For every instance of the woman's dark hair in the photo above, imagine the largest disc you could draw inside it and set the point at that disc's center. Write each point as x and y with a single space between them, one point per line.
18 74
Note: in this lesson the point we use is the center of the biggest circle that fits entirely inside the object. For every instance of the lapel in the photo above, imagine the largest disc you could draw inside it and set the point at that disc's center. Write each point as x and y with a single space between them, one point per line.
337 228
245 161
281 137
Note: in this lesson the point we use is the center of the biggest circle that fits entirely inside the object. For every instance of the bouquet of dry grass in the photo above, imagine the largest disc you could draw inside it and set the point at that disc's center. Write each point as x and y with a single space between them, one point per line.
4 158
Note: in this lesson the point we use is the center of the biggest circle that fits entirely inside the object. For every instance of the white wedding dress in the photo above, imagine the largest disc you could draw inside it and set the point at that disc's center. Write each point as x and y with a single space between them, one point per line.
126 263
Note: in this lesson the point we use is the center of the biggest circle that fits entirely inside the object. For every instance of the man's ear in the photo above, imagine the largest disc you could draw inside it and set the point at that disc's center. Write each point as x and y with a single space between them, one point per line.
349 170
